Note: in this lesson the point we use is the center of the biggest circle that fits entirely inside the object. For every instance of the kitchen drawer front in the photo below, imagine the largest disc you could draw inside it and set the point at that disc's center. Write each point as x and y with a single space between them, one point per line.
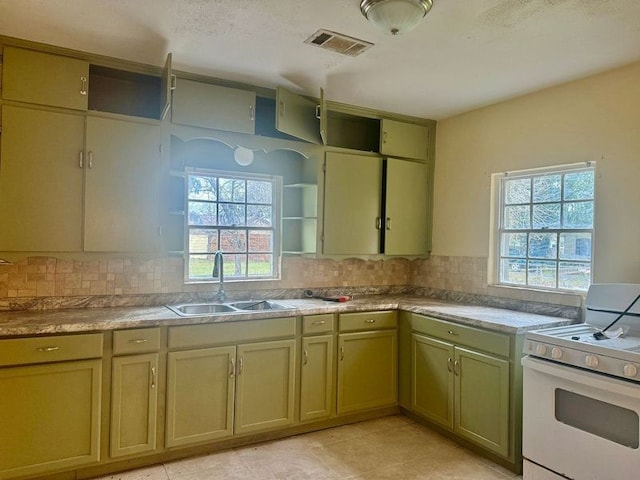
137 340
350 322
485 340
22 351
231 332
312 324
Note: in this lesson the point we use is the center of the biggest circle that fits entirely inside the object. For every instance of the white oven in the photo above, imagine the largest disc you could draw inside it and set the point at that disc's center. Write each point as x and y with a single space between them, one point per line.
579 424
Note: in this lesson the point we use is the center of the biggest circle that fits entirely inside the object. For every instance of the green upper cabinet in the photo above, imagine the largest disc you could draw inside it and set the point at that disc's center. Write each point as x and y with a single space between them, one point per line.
41 180
297 116
352 199
406 201
45 79
206 105
402 139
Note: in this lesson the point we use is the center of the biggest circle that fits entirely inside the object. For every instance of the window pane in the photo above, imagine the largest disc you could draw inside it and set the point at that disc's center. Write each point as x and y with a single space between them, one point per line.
514 245
231 214
579 185
233 241
574 276
203 241
202 188
575 246
513 271
517 218
260 241
542 245
200 266
202 213
577 215
231 190
259 192
517 191
235 265
259 215
542 274
546 215
547 188
260 266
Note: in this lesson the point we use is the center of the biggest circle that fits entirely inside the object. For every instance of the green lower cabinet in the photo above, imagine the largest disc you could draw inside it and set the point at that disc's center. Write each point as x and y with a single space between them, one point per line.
316 378
49 417
367 370
134 404
200 393
463 390
265 386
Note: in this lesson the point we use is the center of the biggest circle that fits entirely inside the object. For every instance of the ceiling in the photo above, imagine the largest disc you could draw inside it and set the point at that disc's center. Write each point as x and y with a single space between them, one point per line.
464 55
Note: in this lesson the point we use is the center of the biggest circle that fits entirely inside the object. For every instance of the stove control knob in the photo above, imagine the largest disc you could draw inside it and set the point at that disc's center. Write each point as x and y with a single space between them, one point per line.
556 352
591 361
541 349
630 370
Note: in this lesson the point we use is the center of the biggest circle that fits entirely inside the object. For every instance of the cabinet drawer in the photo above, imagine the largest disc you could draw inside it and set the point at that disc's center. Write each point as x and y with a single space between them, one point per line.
350 322
138 340
490 342
20 351
231 332
317 324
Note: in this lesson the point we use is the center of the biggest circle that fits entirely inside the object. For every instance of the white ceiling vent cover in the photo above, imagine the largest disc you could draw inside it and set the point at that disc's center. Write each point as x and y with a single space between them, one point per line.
337 42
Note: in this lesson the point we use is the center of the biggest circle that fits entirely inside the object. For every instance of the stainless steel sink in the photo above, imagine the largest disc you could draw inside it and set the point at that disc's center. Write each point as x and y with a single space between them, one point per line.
260 305
194 309
204 309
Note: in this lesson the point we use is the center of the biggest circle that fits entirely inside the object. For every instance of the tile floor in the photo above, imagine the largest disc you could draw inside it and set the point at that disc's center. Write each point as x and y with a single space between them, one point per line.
385 448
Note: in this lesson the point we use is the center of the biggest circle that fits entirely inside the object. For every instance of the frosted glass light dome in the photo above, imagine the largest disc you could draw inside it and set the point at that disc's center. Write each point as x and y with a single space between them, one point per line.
395 16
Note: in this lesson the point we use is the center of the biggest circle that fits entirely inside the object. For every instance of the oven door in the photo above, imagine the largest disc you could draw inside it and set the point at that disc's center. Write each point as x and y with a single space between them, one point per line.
579 424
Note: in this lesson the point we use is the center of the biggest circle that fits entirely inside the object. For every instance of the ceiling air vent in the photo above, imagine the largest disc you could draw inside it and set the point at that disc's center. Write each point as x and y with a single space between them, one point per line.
337 42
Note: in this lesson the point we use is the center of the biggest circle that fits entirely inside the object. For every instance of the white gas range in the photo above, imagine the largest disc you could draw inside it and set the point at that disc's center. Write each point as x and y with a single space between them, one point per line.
581 392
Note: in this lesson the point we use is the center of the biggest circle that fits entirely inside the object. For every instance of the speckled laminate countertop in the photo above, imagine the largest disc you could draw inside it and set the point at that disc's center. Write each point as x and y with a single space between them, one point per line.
21 323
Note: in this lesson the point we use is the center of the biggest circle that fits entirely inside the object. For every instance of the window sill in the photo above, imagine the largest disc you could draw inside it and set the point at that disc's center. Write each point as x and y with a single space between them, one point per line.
532 295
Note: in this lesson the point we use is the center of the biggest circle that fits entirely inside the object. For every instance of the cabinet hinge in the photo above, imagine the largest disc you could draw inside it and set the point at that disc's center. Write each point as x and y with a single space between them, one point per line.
322 237
160 147
324 166
159 231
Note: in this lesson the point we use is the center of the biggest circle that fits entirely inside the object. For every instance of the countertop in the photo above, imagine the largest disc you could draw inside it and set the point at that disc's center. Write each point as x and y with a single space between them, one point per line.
38 322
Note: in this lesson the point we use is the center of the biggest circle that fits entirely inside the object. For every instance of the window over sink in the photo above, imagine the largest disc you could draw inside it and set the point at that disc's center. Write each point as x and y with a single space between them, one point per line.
544 226
238 214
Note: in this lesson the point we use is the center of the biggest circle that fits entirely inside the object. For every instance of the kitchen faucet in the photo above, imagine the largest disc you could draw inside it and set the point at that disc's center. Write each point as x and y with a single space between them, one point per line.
218 272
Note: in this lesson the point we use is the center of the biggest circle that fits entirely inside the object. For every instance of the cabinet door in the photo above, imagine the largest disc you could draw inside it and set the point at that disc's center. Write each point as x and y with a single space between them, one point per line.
45 79
212 106
482 399
316 381
265 386
122 186
432 381
134 404
166 86
41 181
200 392
401 139
49 417
297 116
352 201
406 202
367 370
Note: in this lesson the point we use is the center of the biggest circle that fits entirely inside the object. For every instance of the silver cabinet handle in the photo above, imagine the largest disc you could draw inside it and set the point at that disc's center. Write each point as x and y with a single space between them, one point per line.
81 160
370 320
319 322
137 341
240 366
90 157
318 112
341 353
451 332
232 373
456 367
282 108
48 349
153 377
388 223
174 82
450 364
252 114
83 85
378 223
306 356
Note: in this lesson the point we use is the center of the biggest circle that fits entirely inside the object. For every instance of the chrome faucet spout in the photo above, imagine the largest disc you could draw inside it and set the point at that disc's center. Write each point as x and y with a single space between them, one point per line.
218 272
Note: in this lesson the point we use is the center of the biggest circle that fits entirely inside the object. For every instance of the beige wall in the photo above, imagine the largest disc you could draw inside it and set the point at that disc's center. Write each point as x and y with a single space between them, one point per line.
596 118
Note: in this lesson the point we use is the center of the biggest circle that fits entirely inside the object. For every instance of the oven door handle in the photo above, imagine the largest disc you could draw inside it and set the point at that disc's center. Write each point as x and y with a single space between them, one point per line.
581 377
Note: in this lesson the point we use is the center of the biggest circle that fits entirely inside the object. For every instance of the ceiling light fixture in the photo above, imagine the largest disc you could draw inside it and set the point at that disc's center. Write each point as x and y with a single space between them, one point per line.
395 16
